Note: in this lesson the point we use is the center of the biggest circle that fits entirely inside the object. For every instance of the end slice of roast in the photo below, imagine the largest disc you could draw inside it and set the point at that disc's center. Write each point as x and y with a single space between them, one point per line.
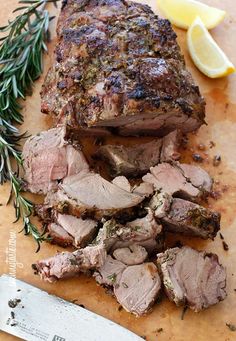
192 278
191 219
48 158
70 264
181 180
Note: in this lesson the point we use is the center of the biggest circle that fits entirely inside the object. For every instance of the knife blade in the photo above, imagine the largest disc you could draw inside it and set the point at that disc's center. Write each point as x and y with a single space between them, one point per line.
32 314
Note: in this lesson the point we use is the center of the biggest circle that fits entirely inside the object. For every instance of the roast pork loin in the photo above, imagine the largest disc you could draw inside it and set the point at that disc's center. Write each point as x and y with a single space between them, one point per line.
48 157
70 264
192 278
182 180
118 65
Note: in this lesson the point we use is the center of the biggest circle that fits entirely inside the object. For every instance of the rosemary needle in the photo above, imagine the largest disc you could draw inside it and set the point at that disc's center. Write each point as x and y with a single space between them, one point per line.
21 63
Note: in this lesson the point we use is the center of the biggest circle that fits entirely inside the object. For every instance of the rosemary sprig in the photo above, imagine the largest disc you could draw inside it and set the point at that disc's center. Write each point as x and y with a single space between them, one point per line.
21 63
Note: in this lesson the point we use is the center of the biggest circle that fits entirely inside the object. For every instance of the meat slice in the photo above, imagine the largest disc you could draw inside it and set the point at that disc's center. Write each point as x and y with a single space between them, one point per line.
191 219
170 146
109 273
118 65
144 188
138 288
160 204
82 230
48 158
192 278
132 255
69 264
142 231
88 194
122 182
185 181
197 176
59 236
138 159
130 161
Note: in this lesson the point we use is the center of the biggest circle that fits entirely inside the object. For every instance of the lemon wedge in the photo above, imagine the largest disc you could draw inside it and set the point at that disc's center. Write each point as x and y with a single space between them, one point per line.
182 13
205 53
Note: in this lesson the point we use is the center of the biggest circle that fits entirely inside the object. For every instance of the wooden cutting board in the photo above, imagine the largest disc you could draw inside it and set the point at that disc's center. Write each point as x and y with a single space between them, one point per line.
164 323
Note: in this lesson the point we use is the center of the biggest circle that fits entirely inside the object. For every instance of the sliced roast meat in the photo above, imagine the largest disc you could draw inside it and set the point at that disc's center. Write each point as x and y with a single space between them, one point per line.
122 182
69 264
171 179
144 188
197 176
48 158
170 146
82 230
138 287
109 273
59 236
192 278
137 160
132 255
160 204
130 75
88 194
131 161
142 231
191 219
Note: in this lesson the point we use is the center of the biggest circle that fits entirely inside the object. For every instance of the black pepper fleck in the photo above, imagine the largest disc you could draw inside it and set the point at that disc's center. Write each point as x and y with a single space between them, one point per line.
212 144
197 157
216 160
225 246
160 330
221 236
231 326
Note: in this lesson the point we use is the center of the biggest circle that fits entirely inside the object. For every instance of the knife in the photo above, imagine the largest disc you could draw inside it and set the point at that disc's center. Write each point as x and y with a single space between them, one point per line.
32 314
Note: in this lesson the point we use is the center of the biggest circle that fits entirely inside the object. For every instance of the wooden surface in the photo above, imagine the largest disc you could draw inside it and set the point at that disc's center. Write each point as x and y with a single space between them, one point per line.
221 118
